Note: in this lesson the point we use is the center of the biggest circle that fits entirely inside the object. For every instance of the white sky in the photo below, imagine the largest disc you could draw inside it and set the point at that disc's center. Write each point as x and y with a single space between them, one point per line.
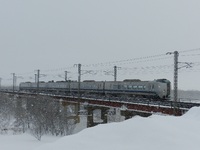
53 35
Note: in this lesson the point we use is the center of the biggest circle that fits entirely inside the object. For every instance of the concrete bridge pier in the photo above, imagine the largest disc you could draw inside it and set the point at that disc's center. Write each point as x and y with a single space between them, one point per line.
129 114
90 118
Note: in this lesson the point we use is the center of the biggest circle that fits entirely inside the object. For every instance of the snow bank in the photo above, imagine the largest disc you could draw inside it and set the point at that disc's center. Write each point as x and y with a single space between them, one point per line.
23 142
152 133
193 113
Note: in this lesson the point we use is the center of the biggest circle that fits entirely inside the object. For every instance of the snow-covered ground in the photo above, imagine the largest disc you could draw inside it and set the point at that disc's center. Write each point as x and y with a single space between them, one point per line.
153 133
23 142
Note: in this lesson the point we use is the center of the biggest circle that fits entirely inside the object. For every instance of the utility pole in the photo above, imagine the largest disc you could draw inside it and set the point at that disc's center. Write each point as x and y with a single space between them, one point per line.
67 81
38 80
35 78
66 72
175 74
0 83
115 73
79 81
79 93
13 82
65 75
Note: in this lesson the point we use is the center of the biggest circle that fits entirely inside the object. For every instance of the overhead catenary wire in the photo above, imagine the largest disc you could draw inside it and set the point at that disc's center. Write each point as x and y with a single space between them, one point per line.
121 62
138 65
126 61
190 55
189 50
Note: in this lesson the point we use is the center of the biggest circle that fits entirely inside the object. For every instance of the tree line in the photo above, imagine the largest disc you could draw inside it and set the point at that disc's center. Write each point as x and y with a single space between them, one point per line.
38 115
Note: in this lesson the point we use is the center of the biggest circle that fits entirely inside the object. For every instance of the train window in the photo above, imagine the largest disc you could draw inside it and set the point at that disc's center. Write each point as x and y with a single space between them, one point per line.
140 87
115 86
144 87
135 87
130 87
125 86
152 87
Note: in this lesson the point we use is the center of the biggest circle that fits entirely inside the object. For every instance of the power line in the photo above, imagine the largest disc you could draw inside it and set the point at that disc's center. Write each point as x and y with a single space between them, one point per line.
190 55
109 71
189 50
127 62
123 61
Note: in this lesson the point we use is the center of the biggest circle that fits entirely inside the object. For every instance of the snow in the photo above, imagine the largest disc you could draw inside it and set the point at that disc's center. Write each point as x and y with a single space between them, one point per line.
193 113
23 142
153 133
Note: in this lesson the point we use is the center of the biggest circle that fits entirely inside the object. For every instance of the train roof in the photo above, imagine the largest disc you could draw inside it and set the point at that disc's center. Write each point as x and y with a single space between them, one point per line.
162 80
89 81
131 80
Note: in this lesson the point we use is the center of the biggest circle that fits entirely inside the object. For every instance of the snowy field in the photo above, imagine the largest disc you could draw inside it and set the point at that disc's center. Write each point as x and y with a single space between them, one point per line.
23 142
153 133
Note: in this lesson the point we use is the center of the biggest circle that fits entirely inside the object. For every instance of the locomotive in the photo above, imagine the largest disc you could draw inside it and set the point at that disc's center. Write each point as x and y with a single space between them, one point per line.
159 88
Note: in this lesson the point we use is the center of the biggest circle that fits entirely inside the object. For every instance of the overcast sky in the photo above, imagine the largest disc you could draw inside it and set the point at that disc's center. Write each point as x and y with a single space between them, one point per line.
52 35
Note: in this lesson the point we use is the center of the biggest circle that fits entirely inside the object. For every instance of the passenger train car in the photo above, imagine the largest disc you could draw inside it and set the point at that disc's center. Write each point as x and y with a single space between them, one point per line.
159 88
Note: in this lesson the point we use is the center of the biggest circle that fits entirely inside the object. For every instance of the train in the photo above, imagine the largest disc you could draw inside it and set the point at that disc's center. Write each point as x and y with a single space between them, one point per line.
158 88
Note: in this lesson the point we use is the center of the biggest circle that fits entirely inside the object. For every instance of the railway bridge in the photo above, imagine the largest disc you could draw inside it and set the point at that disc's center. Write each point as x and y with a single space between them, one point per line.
139 105
143 105
129 107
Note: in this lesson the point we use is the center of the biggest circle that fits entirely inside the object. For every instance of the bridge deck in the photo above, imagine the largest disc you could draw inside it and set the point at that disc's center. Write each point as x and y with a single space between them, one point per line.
131 104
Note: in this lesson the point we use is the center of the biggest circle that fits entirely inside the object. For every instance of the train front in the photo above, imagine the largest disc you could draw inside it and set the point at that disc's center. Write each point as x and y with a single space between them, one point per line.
165 88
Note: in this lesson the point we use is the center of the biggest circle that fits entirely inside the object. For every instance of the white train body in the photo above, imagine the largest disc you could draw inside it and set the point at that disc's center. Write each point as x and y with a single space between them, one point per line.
157 88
